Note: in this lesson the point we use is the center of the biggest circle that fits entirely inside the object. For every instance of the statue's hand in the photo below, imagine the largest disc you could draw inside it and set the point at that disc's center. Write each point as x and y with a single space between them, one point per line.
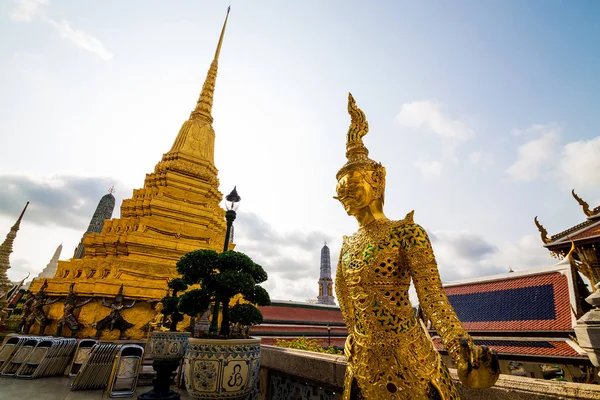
477 366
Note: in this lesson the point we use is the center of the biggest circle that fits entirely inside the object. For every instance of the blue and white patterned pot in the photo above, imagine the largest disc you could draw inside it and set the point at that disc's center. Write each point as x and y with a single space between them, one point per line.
221 369
167 345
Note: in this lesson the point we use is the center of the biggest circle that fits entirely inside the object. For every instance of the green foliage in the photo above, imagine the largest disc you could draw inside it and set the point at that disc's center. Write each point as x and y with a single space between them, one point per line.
170 302
169 305
170 309
194 302
222 276
258 295
302 343
178 285
258 273
245 314
234 261
196 265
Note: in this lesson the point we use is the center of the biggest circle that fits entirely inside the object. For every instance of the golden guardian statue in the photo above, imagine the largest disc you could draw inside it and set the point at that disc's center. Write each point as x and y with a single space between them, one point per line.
390 354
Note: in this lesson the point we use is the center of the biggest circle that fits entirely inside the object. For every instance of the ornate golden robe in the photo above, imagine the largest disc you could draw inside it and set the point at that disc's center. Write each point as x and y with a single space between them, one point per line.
390 355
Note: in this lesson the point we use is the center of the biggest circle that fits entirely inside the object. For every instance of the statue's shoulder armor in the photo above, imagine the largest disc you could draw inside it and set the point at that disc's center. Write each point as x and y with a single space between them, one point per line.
409 234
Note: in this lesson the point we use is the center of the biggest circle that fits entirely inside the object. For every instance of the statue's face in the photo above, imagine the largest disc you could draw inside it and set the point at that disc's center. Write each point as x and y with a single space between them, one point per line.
354 192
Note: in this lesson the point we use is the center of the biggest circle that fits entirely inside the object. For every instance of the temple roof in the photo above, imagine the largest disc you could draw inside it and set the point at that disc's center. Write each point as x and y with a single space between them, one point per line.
555 348
584 230
534 300
590 228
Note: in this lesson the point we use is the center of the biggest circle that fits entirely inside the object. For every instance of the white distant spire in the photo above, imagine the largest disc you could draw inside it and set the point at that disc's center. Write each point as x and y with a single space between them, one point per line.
325 282
50 269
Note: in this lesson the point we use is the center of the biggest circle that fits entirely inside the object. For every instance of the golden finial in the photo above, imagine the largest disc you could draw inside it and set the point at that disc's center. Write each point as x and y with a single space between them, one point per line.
570 253
583 204
543 231
203 108
218 51
111 189
359 127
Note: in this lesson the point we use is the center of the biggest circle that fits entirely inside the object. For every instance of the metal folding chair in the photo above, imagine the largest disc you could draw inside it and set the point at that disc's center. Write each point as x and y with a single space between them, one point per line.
124 377
95 372
9 346
82 354
21 354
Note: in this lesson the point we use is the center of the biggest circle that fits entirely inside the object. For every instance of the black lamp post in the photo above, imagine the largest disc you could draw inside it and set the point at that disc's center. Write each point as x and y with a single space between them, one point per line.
231 204
329 334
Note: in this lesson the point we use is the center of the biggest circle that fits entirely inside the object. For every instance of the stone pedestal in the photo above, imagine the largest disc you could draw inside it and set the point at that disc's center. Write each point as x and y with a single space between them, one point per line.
167 350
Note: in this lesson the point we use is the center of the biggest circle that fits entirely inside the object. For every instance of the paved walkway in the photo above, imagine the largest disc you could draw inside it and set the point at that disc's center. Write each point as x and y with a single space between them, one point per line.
56 389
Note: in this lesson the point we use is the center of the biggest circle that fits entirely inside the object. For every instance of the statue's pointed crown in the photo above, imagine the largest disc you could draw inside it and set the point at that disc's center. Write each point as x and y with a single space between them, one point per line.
356 152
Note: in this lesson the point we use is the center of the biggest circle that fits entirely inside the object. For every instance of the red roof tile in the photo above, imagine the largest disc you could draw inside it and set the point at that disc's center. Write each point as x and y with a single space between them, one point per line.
308 313
533 348
528 303
591 232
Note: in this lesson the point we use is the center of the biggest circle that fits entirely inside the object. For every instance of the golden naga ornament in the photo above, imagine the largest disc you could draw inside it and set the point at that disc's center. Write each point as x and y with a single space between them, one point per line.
390 354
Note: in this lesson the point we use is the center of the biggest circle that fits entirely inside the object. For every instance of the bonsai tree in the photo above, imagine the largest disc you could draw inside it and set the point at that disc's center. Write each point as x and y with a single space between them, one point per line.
243 316
221 277
170 303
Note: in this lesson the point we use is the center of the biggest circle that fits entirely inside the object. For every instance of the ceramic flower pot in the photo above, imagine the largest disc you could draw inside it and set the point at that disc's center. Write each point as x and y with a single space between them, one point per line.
168 346
221 368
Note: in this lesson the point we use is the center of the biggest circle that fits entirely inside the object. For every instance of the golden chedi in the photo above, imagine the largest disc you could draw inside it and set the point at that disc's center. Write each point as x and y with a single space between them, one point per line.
390 354
176 211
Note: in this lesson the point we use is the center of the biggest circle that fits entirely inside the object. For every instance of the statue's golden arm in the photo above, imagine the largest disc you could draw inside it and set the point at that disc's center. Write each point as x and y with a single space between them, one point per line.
433 300
477 366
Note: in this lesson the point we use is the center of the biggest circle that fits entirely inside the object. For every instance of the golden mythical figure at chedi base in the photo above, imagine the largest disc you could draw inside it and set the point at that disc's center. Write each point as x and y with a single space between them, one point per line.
390 354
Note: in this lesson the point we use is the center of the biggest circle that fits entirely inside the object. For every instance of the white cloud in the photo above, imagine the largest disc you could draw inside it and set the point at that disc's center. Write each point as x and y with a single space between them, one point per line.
579 164
29 10
429 169
535 129
526 253
428 115
481 159
291 258
534 155
576 164
464 255
461 254
81 39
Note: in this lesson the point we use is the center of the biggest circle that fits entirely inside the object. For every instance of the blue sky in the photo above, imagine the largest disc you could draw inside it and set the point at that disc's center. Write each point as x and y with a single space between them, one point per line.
484 114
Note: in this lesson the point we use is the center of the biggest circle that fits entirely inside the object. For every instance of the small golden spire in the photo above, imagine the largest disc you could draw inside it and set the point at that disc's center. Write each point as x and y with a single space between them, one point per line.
583 204
203 108
111 190
22 213
543 231
218 51
359 127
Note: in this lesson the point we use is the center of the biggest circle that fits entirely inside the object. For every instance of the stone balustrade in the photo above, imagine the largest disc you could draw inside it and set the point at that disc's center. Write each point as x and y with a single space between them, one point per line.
289 374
